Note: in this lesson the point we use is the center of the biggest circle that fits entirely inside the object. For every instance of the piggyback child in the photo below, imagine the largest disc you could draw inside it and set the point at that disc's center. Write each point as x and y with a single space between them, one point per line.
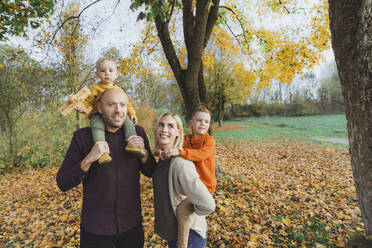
200 148
107 73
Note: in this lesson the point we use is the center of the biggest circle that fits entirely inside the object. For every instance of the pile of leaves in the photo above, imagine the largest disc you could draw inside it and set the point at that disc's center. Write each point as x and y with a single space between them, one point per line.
287 194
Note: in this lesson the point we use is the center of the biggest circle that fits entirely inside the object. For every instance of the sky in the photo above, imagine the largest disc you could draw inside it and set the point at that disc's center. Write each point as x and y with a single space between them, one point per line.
108 26
112 24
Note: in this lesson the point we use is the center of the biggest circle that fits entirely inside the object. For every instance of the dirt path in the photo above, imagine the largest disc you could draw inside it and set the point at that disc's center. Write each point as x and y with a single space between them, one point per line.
344 141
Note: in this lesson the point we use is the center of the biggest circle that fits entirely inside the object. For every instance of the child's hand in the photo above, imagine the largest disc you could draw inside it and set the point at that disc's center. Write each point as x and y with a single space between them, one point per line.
163 155
79 109
173 153
134 119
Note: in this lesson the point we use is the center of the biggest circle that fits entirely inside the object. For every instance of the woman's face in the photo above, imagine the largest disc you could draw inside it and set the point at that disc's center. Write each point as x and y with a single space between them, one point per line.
167 131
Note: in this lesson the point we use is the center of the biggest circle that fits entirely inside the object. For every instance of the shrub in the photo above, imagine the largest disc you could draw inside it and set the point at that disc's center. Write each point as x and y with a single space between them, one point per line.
42 140
146 116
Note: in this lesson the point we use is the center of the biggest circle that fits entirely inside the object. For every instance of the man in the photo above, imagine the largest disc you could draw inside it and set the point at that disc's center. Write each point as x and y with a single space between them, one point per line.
111 211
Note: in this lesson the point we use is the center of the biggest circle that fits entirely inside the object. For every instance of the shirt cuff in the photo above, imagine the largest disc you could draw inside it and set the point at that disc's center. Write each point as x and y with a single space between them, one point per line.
78 172
182 153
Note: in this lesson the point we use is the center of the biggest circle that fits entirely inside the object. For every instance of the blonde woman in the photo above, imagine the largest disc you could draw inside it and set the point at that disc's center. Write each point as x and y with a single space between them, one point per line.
175 180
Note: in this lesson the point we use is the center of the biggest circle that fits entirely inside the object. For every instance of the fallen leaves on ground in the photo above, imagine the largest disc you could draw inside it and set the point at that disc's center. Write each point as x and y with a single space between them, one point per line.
226 128
289 194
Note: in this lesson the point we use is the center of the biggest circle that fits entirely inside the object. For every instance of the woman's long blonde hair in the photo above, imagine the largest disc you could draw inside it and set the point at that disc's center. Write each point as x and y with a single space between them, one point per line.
178 144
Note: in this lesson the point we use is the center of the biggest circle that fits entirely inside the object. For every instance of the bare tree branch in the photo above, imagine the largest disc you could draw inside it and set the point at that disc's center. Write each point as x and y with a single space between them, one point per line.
286 9
72 17
168 47
240 22
212 18
188 22
171 12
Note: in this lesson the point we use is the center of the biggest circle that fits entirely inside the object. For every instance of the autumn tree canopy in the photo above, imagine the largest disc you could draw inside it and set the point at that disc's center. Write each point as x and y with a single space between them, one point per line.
265 54
17 16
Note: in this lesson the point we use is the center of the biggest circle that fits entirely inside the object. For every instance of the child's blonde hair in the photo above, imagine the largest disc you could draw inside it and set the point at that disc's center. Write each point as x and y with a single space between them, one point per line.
101 60
178 144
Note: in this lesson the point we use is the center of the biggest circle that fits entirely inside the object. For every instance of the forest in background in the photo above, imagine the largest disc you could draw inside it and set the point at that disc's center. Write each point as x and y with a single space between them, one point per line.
36 135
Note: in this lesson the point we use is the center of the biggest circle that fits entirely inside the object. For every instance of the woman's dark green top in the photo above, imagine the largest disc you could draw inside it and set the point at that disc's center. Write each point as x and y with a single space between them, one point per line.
165 220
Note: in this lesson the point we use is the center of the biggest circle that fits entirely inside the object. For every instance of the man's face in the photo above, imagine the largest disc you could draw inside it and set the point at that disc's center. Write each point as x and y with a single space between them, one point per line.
107 72
113 107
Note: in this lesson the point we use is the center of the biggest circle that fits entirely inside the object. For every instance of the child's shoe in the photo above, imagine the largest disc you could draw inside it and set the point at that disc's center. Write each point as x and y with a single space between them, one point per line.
136 151
105 158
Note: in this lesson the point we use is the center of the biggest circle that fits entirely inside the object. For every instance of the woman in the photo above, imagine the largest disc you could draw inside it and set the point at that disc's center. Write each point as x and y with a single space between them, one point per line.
174 180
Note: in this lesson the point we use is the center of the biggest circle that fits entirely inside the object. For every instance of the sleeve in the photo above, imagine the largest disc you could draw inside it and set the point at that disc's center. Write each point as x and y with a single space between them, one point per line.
188 180
207 149
70 173
89 101
149 167
130 106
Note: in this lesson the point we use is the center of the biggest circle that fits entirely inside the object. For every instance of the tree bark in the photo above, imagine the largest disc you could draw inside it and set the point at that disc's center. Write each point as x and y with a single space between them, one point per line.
77 117
197 31
351 28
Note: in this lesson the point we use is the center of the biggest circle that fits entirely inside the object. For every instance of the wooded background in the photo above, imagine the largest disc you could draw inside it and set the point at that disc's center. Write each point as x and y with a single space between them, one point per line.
191 53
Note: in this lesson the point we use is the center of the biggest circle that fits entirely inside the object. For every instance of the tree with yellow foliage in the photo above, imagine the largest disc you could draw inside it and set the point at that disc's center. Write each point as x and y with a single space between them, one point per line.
70 42
264 54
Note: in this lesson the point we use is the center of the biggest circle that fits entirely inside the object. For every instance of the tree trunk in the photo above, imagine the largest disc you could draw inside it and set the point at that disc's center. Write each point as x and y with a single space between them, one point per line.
11 145
221 107
351 28
197 28
77 120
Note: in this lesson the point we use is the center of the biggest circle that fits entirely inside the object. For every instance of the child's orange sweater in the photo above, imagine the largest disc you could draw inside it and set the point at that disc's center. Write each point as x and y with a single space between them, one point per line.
202 151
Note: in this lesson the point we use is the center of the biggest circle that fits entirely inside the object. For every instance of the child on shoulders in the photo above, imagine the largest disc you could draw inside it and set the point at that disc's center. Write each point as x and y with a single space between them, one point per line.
107 72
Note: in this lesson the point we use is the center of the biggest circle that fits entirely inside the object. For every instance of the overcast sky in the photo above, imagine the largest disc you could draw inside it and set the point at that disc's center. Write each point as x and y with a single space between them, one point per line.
116 26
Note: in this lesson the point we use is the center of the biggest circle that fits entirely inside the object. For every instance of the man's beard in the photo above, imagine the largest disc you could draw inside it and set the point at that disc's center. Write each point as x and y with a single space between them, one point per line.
111 124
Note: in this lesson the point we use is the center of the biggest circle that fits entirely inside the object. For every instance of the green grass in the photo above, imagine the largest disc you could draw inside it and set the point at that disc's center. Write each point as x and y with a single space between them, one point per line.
277 128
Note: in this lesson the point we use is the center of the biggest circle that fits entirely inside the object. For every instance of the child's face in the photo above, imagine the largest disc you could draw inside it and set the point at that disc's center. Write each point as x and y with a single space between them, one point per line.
200 123
107 72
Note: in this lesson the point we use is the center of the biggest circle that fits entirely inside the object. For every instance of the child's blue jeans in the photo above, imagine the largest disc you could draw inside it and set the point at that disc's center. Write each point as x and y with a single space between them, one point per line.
195 241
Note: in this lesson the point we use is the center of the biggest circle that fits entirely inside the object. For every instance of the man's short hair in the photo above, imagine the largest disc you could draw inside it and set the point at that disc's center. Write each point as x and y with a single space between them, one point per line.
200 109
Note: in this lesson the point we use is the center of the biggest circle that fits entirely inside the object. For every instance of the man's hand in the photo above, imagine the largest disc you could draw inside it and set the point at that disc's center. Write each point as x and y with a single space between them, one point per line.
134 119
98 149
137 141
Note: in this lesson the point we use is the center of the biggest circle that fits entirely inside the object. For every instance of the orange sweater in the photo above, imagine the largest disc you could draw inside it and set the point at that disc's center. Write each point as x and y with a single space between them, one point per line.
202 151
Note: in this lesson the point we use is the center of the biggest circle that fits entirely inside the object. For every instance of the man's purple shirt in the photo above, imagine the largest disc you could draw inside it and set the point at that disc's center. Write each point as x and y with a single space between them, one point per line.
111 191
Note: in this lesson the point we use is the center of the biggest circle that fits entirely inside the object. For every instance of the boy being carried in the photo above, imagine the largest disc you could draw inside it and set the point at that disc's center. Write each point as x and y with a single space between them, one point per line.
199 148
106 71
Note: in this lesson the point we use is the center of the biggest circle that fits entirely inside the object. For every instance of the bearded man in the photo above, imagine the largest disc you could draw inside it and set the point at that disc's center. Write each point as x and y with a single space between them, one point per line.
111 211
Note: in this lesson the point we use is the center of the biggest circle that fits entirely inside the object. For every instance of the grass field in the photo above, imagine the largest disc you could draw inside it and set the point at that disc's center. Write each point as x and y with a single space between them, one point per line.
277 128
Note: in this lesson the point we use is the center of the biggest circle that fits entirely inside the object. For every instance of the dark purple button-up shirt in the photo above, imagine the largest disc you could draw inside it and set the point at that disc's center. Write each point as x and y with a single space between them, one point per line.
111 191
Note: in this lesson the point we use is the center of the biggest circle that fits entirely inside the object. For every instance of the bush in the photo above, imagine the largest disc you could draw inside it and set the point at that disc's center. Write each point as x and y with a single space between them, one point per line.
146 116
42 139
